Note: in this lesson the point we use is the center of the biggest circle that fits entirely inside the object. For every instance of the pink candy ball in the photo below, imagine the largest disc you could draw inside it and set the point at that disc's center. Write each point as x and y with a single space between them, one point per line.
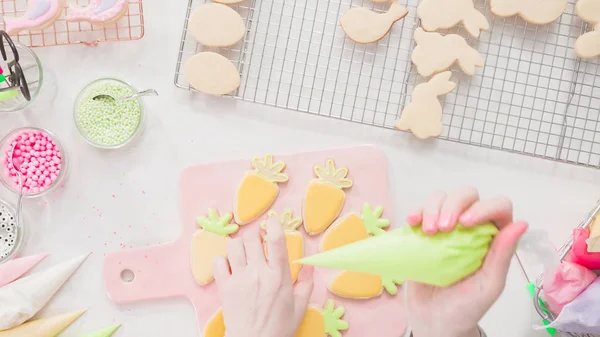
37 157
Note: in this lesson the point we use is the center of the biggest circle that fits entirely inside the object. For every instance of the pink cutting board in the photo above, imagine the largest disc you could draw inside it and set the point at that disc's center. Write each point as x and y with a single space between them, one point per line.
164 271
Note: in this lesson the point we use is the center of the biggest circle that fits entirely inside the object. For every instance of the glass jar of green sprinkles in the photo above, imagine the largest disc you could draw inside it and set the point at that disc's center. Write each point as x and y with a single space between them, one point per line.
106 123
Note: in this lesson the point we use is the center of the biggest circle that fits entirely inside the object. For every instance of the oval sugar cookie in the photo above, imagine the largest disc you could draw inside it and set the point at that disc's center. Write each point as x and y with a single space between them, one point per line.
216 25
211 73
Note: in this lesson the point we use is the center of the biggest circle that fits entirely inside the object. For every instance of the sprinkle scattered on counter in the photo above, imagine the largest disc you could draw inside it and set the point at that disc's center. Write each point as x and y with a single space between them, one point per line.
106 122
37 157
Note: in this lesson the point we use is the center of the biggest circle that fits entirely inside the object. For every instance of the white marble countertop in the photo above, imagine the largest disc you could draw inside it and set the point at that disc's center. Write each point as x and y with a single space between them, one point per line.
133 191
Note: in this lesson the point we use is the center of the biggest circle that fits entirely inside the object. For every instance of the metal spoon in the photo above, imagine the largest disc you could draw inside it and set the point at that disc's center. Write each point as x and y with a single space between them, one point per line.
20 177
149 92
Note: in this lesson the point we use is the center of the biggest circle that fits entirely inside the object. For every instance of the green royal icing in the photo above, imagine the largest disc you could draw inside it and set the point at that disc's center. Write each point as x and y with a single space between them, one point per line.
106 332
216 224
390 285
372 219
332 317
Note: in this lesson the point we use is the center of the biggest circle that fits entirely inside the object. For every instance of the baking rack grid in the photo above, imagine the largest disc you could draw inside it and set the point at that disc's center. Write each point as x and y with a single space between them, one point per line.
533 97
130 27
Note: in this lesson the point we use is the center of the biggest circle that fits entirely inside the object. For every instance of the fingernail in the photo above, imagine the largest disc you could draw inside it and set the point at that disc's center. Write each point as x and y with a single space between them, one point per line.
445 221
429 223
413 217
466 217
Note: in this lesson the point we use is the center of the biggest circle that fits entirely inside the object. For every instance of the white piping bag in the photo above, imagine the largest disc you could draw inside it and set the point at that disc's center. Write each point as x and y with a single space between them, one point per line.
23 298
14 269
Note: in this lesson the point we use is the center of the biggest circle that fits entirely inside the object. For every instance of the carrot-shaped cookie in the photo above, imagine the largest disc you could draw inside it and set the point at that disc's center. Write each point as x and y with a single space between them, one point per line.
210 242
259 189
365 26
436 14
349 229
435 52
588 44
323 322
423 116
215 326
325 197
293 239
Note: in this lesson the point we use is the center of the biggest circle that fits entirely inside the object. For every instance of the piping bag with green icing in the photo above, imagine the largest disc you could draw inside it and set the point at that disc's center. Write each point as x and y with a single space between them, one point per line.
408 254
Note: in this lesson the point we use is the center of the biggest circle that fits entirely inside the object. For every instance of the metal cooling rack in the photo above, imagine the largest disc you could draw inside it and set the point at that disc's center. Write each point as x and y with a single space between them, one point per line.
533 97
129 27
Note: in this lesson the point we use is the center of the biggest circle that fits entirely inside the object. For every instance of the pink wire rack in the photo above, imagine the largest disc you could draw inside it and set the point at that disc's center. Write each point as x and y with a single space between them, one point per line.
129 27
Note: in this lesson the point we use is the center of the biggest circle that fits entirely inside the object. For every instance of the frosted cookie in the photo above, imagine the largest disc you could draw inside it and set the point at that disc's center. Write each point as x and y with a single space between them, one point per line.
43 327
215 327
324 198
322 322
436 14
211 74
209 243
538 12
435 52
102 12
217 25
423 116
294 240
365 26
349 229
38 15
588 44
259 189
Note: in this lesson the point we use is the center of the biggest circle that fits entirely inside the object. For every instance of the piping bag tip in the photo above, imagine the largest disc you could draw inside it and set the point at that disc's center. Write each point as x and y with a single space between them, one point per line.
408 254
105 332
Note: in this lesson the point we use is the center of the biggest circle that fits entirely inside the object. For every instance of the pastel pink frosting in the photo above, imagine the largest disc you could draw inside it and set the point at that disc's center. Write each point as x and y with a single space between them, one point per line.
38 14
97 11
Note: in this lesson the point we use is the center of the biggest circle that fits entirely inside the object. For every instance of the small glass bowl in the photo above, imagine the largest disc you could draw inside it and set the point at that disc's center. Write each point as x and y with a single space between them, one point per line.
16 233
84 94
5 146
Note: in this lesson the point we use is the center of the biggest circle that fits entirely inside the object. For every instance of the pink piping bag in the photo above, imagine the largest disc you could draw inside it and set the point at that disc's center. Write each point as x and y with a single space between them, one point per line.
14 269
408 254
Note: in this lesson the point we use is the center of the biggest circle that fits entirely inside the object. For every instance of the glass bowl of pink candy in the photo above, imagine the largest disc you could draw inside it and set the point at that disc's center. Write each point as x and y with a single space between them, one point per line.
38 155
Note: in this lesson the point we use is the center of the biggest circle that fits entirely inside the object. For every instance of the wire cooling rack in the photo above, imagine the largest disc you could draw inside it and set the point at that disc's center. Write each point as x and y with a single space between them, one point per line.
129 27
533 97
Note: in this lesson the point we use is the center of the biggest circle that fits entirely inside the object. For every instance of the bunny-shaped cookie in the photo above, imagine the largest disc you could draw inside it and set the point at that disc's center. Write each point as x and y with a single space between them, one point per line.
435 52
423 116
436 14
538 12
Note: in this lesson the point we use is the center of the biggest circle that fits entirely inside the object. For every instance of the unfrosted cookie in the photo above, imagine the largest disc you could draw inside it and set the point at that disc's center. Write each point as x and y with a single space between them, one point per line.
365 26
538 12
38 15
423 116
102 12
229 2
217 25
211 73
588 44
435 52
436 14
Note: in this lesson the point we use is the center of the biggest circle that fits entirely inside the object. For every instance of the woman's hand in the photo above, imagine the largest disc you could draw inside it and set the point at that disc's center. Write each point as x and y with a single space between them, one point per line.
257 295
454 311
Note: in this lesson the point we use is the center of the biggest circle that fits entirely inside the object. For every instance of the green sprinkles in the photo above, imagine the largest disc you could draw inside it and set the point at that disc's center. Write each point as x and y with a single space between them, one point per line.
107 122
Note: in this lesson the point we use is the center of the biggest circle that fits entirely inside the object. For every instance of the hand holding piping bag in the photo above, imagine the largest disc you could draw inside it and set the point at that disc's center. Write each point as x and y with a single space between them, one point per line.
447 311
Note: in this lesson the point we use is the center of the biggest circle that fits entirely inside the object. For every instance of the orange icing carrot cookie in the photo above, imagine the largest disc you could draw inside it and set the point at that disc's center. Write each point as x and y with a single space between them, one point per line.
352 228
323 322
325 197
215 326
293 239
209 243
259 189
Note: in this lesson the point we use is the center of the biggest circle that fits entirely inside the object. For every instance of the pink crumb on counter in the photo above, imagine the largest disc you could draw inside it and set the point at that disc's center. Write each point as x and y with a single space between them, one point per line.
37 157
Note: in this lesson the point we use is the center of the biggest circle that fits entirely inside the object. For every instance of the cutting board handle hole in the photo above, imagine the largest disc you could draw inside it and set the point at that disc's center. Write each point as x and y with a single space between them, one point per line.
127 276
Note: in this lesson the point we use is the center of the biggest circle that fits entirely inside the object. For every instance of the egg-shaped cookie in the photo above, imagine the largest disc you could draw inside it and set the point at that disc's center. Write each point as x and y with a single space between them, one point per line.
211 73
217 25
